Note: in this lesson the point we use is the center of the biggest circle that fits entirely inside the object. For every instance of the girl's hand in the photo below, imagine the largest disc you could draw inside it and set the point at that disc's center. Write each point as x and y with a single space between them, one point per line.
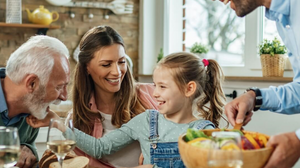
141 159
35 123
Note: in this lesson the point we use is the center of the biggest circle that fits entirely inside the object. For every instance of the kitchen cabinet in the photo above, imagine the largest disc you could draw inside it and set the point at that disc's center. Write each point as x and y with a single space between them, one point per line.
42 29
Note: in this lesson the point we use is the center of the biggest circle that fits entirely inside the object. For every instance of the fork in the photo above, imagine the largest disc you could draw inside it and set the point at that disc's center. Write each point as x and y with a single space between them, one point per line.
118 7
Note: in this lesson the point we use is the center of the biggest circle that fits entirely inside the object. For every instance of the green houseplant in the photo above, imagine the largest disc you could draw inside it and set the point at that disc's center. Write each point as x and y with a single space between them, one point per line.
160 55
272 47
272 57
199 49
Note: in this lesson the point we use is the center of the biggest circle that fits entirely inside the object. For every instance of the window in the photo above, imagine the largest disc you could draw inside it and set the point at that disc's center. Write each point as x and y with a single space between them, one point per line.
216 25
169 25
235 40
270 30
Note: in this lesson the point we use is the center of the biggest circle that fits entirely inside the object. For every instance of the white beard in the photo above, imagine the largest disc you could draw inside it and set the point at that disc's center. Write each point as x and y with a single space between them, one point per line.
35 103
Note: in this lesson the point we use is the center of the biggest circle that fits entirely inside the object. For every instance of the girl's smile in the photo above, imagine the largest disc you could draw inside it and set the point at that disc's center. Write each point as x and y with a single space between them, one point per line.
171 101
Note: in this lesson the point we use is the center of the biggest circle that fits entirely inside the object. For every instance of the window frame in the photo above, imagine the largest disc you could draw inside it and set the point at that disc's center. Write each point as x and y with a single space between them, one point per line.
161 26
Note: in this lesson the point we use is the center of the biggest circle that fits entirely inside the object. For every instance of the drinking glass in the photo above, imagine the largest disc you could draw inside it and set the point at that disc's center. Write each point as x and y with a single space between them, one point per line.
225 150
9 146
60 142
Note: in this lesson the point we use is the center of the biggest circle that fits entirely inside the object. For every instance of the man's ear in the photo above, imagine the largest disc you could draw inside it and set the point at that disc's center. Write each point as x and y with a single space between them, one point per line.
190 88
31 82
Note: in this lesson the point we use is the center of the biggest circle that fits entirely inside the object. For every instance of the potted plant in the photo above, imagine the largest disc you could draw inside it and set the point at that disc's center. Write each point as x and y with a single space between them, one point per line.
199 49
272 57
160 55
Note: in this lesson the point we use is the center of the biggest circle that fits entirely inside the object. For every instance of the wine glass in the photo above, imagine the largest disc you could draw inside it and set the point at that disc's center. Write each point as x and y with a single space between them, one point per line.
225 150
9 146
60 142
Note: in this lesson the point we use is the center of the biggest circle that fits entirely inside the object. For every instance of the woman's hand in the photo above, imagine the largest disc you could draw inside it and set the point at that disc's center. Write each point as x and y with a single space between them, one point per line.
35 123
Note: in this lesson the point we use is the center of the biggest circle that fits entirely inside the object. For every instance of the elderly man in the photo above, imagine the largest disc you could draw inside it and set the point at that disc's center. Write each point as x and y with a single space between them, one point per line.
37 74
283 99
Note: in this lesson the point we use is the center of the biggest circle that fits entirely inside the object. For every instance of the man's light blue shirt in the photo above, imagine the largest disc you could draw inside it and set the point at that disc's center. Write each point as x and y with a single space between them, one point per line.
286 99
4 111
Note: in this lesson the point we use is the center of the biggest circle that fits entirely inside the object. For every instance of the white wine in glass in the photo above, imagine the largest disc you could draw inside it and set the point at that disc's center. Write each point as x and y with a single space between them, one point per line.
225 150
58 142
9 146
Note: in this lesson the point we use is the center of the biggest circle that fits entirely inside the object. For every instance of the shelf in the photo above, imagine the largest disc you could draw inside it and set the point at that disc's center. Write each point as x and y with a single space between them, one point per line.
250 78
28 25
259 79
42 29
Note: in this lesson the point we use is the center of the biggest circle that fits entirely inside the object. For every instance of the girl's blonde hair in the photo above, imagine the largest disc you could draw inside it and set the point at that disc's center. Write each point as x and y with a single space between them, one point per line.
127 101
209 96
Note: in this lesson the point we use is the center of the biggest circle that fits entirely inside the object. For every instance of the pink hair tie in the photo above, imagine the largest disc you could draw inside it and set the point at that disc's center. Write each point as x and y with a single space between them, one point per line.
205 62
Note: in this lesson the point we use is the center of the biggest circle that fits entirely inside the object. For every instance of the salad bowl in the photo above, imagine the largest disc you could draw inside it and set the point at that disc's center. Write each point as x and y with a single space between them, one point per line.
195 157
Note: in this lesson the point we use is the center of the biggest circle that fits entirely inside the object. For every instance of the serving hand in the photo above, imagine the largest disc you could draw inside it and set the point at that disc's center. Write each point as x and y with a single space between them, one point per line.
240 109
286 152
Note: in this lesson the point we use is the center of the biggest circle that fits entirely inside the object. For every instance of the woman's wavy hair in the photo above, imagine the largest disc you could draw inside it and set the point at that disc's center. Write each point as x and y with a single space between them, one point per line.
209 96
127 103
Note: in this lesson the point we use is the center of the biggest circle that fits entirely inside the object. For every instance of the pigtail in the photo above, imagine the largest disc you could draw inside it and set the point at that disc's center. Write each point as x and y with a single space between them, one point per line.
212 102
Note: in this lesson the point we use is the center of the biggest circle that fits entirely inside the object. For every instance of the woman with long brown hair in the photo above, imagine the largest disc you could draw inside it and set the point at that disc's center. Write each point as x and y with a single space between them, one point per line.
105 95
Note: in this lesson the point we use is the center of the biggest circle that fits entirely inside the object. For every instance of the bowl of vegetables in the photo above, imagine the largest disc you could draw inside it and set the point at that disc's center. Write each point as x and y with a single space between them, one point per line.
194 148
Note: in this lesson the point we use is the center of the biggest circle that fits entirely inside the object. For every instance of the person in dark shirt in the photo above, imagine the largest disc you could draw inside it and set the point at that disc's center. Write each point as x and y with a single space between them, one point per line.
36 75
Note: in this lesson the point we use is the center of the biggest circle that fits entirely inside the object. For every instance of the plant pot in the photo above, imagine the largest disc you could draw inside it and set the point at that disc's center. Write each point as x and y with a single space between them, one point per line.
272 66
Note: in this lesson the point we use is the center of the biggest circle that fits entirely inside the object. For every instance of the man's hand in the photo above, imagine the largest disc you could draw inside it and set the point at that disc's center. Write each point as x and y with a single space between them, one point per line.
286 152
35 123
240 109
26 158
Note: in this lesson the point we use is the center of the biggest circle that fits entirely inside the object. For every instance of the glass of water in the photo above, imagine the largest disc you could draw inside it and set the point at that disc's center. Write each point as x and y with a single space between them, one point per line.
225 150
9 146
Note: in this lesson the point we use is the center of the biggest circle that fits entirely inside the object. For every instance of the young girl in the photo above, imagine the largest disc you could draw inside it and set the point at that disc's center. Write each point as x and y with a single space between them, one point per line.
180 79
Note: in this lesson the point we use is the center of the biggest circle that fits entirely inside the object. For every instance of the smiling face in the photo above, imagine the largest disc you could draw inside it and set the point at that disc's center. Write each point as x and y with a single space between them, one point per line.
107 68
36 103
170 99
54 92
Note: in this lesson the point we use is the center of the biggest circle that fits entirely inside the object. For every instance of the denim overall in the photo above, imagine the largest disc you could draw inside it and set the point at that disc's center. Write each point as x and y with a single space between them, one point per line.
166 154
